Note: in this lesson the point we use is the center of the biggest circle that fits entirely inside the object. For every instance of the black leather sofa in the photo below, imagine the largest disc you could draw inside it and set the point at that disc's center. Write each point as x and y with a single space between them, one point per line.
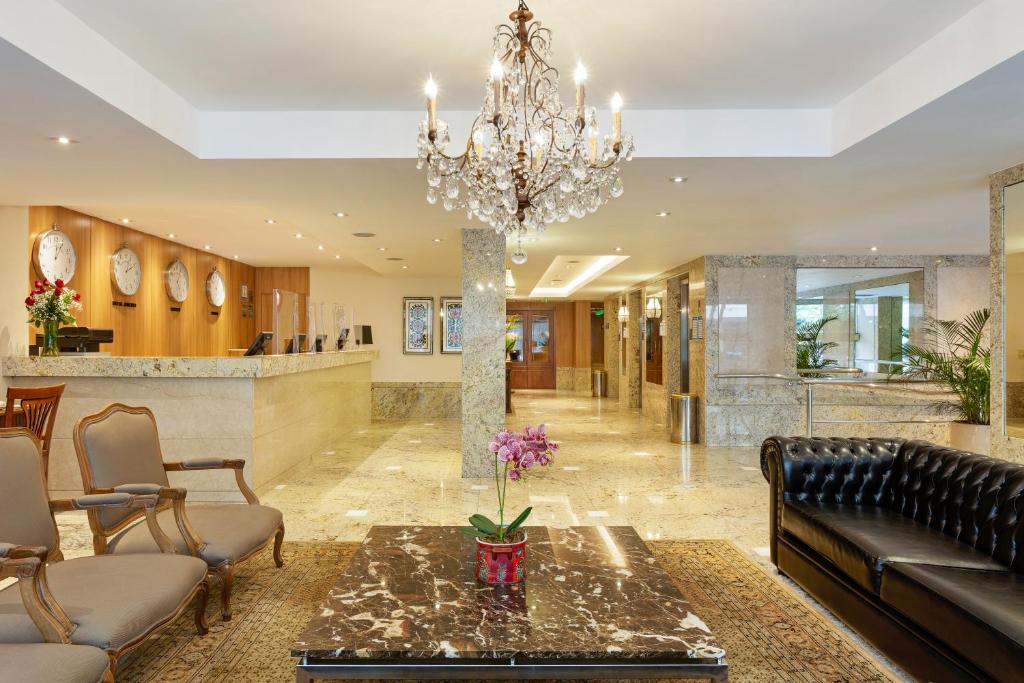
918 547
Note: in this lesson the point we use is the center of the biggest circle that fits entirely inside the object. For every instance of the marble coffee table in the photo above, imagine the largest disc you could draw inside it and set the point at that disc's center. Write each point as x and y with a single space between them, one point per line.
595 604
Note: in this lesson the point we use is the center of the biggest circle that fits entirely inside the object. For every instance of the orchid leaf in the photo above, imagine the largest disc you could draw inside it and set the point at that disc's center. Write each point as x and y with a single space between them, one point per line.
470 531
486 526
518 521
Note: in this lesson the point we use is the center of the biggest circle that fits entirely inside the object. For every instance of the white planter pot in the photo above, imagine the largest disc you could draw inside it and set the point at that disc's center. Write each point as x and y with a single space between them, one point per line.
973 438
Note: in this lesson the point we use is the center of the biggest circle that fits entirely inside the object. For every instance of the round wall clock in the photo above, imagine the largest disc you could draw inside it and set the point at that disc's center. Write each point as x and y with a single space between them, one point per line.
54 256
126 271
216 288
176 281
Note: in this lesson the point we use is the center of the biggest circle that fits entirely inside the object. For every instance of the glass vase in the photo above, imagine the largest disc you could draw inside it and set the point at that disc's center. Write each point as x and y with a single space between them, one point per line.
50 346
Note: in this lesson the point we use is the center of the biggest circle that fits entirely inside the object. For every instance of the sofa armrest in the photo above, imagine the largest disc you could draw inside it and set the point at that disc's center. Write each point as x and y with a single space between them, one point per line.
237 465
824 470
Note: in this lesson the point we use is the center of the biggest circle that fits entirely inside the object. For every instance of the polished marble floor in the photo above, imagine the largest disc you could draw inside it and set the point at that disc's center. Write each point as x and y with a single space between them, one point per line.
614 467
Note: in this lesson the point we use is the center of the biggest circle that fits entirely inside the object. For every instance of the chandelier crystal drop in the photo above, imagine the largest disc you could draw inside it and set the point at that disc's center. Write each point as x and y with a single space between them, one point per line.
529 160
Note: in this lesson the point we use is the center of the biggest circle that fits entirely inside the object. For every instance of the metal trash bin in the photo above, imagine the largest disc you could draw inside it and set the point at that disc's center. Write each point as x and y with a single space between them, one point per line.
599 384
684 418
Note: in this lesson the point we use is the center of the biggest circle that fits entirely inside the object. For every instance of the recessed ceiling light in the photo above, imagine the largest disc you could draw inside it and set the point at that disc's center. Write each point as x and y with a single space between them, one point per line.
63 140
269 221
235 257
319 247
662 214
618 248
340 214
364 234
438 239
206 247
382 248
298 235
126 221
679 179
170 235
874 248
337 256
405 267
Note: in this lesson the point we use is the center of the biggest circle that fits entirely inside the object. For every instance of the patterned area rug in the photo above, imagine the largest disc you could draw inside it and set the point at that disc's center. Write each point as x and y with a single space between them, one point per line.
769 633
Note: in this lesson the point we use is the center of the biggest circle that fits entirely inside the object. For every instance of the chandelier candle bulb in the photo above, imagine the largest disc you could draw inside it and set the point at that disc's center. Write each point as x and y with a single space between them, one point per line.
592 142
580 76
617 118
431 91
497 83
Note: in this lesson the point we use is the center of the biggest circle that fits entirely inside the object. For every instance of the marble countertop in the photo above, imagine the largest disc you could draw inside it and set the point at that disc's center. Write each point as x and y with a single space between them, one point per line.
590 593
143 366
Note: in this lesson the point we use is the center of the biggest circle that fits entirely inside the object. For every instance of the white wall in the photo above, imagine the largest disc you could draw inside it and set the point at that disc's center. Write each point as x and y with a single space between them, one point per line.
13 282
377 301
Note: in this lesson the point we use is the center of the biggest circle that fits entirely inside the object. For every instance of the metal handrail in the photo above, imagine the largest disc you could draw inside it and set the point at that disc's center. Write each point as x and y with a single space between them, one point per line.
830 371
810 383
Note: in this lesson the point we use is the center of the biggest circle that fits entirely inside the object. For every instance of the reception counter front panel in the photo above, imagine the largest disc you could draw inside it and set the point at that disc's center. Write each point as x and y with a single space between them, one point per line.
275 412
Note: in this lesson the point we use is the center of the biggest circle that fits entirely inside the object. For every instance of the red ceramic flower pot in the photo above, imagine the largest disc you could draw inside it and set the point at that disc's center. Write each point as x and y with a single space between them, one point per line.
500 562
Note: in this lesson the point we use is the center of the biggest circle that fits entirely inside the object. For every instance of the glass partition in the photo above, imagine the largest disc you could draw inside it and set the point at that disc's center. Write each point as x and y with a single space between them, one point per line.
286 322
1013 316
857 320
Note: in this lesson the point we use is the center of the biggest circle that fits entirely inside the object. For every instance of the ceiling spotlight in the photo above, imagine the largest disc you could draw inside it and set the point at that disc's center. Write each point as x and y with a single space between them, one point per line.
235 257
170 235
269 221
319 247
618 248
340 214
874 248
298 235
62 140
206 247
679 179
662 214
382 248
405 267
438 239
126 221
337 256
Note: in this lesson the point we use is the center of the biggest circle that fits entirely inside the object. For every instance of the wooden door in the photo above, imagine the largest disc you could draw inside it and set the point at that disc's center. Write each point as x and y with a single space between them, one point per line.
533 355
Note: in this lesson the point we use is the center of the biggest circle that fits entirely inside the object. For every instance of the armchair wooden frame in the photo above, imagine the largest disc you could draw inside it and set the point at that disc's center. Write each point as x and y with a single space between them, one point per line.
28 564
100 532
38 411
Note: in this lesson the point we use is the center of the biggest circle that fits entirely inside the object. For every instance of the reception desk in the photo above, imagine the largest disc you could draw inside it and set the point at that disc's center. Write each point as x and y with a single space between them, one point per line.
274 412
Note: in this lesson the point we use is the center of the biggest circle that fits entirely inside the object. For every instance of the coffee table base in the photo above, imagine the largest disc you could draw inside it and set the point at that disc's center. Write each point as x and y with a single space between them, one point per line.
309 669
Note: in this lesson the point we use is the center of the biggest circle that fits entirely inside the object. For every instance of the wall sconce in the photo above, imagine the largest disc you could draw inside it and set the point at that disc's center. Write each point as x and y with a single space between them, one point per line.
623 312
653 307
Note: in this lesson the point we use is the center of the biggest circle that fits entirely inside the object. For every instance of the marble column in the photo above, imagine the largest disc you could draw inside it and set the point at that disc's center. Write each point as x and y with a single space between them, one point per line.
483 347
634 362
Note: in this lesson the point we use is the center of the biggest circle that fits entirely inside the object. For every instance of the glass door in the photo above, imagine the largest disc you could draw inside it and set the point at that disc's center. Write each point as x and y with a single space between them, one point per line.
530 343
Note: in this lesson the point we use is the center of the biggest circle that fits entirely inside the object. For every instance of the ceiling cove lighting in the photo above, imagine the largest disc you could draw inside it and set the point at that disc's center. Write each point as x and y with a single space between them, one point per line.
597 267
529 160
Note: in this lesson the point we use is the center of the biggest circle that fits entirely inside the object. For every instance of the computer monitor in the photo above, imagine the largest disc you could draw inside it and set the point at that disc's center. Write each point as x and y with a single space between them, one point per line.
259 344
321 340
291 344
363 335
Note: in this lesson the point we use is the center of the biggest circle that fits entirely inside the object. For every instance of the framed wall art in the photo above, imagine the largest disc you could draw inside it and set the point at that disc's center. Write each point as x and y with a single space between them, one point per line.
451 324
418 325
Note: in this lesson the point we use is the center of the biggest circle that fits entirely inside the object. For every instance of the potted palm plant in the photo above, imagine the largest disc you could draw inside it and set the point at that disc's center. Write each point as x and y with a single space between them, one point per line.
957 354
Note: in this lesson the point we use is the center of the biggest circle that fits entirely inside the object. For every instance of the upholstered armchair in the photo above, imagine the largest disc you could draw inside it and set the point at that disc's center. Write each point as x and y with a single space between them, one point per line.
113 603
120 445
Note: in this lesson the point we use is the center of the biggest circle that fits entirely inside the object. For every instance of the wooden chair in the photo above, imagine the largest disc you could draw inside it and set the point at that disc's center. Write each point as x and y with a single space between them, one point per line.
120 445
36 413
113 603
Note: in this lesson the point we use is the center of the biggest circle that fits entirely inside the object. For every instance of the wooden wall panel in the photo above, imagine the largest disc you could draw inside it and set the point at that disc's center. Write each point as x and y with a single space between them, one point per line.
581 334
147 325
564 334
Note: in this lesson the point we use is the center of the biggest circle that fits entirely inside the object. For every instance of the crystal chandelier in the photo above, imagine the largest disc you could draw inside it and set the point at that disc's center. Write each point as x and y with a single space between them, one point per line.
529 160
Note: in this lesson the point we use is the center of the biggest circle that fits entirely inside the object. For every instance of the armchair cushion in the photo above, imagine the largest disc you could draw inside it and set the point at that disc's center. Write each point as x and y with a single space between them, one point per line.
113 599
861 540
53 663
230 531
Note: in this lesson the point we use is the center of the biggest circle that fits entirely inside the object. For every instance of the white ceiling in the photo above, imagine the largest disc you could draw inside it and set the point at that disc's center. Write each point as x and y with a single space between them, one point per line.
326 54
916 186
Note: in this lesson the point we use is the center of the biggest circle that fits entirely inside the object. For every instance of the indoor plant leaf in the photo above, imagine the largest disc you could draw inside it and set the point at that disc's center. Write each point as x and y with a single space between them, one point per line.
518 521
486 526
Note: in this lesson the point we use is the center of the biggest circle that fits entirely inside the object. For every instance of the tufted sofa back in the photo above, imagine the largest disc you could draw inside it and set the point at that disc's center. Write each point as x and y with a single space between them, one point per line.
851 471
976 499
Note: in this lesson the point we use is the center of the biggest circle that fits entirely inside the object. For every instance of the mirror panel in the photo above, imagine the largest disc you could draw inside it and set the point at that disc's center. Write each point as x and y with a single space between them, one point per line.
1013 317
856 320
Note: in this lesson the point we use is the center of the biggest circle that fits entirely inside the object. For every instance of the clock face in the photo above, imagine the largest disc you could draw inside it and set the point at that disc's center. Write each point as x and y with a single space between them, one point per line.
126 271
176 281
216 289
54 256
